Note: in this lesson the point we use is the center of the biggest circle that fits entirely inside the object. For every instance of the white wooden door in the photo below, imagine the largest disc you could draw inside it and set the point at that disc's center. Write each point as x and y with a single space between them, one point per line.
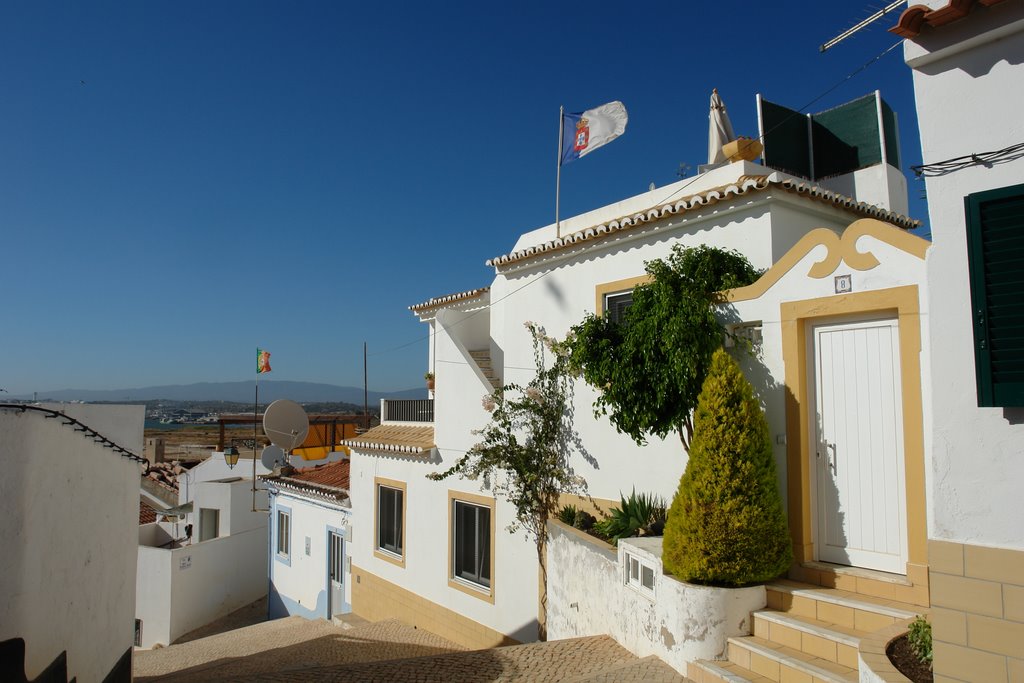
857 445
336 574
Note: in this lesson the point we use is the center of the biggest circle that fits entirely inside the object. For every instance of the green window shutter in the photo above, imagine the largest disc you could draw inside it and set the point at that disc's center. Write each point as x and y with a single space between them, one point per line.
995 250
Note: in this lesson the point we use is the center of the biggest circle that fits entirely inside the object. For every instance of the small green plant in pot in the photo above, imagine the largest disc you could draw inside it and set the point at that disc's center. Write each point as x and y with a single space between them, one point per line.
919 635
575 517
726 525
567 515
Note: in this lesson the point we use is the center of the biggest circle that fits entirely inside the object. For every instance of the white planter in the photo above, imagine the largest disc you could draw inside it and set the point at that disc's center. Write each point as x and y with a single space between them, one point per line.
589 592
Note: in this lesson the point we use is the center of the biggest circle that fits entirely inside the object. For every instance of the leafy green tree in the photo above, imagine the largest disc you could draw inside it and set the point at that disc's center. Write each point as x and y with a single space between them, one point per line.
726 524
523 452
650 369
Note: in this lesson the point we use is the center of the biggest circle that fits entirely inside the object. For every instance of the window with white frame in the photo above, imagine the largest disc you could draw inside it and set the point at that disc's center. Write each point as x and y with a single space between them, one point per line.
639 574
471 544
284 533
616 304
390 514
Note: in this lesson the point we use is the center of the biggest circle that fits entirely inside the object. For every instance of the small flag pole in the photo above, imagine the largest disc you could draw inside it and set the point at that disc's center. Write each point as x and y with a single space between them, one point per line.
366 400
255 424
558 174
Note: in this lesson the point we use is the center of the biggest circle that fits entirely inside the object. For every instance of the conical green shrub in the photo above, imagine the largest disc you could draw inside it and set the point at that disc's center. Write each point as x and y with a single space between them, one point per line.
726 525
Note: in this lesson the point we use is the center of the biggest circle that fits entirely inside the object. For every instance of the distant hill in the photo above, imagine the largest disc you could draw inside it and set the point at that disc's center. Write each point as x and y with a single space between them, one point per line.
302 392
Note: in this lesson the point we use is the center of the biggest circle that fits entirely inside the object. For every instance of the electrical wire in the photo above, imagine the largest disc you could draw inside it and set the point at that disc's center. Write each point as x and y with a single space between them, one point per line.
987 159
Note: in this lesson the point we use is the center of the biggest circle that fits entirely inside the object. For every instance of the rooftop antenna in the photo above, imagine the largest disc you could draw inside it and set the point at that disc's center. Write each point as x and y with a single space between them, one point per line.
286 425
273 456
860 25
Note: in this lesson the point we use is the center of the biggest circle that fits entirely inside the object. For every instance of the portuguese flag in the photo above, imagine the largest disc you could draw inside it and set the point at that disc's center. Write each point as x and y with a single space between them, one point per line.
262 361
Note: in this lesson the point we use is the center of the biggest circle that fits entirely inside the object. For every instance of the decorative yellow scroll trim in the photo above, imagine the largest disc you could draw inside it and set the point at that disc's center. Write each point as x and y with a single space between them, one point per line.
840 248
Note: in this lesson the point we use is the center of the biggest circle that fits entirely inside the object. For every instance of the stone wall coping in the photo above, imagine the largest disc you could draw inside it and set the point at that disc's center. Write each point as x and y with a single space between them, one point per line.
872 661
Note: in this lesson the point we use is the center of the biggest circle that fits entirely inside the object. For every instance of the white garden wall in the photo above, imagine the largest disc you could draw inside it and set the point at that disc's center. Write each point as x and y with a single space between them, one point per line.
678 623
182 589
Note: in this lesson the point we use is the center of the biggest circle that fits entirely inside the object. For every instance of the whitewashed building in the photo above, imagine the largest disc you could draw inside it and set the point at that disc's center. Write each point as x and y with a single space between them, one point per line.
436 553
311 528
968 66
70 491
210 560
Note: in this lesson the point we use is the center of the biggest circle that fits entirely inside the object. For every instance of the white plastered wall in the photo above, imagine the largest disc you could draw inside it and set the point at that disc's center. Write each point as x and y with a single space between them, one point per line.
70 532
557 292
514 610
302 582
762 228
969 98
182 589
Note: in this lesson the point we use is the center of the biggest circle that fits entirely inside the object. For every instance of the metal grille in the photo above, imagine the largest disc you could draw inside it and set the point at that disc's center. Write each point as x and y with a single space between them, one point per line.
415 410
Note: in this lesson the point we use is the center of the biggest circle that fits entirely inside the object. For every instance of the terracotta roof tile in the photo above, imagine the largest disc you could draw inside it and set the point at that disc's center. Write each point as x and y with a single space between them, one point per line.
326 482
916 17
439 301
333 474
391 438
147 515
745 185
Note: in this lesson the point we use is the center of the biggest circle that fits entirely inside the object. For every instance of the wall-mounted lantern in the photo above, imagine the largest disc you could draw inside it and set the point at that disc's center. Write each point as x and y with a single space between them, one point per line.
231 456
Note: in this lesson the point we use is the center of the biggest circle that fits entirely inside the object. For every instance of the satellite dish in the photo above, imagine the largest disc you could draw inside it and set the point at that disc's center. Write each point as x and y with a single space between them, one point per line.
285 424
273 456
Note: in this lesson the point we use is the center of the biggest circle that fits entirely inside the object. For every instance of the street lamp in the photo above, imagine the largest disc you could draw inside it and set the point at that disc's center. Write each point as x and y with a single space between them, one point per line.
231 457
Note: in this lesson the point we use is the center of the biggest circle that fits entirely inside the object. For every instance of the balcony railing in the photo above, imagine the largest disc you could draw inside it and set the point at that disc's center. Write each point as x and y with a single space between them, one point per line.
415 410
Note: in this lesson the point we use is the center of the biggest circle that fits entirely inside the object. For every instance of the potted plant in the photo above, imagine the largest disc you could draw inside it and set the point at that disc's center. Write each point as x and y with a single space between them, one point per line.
430 380
742 149
726 526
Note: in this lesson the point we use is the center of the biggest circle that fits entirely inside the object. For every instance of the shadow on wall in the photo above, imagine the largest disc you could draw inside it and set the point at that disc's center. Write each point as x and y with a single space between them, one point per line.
279 606
984 58
1014 416
12 666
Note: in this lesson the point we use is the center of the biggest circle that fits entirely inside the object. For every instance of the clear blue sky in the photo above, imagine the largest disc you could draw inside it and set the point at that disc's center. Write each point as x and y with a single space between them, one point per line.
181 182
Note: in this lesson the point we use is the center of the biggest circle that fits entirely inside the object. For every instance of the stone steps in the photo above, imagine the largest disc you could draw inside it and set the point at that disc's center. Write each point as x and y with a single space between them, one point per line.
808 633
778 662
483 360
832 605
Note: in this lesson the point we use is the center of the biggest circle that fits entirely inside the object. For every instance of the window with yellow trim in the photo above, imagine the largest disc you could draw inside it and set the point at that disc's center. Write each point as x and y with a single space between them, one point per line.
472 543
390 519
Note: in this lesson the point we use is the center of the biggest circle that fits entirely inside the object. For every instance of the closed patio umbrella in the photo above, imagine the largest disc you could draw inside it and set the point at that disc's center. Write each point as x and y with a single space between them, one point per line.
719 129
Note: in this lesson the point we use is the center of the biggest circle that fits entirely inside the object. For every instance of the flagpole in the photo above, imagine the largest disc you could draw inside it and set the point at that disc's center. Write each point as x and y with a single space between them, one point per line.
558 174
366 400
255 423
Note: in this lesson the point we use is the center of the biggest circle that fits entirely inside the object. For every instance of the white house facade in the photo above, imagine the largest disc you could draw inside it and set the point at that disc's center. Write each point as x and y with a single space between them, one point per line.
311 528
968 67
436 553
